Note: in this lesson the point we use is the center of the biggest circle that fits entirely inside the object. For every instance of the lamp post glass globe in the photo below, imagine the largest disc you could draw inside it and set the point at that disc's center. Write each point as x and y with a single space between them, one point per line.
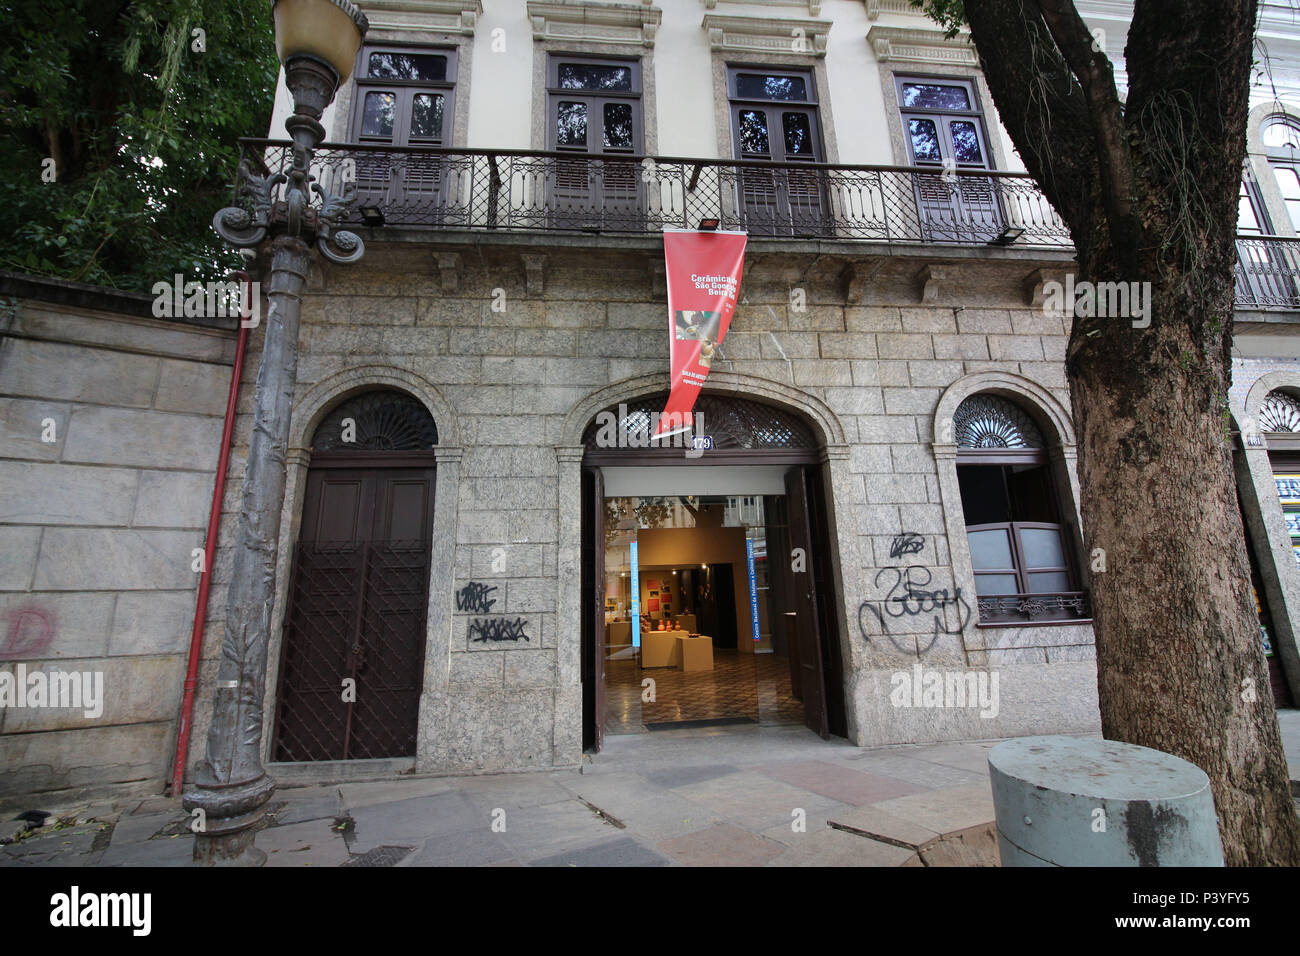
327 30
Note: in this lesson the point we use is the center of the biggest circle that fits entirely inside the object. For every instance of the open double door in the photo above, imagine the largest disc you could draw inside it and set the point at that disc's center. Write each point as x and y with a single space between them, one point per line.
806 591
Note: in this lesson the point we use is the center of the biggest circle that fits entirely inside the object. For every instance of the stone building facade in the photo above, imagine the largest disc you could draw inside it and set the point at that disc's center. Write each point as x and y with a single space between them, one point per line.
512 331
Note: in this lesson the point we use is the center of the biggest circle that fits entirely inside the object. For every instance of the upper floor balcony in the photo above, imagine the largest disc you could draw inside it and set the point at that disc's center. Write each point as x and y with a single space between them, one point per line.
413 188
502 190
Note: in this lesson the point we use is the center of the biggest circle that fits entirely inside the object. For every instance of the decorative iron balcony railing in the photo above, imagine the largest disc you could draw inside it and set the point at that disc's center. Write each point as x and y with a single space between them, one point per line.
521 190
1268 272
427 187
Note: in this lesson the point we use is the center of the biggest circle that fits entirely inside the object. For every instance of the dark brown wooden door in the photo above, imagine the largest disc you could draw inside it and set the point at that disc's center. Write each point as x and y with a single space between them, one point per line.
804 602
594 640
357 611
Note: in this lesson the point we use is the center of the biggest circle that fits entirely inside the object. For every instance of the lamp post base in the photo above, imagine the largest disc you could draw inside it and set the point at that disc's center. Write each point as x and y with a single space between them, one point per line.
231 817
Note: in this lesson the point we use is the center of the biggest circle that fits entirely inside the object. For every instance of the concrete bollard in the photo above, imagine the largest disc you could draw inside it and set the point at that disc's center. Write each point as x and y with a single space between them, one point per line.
1070 801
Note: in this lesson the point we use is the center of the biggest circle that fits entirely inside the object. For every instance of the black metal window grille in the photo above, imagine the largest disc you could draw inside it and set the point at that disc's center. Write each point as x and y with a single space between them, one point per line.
731 422
385 420
1279 413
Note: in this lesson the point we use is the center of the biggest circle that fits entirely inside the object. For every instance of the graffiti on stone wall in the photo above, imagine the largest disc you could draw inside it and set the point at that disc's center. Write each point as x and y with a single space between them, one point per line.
906 594
28 633
474 597
498 629
909 542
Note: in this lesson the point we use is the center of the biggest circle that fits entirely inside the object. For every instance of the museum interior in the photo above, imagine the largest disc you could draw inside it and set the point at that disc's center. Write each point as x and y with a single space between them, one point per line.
692 603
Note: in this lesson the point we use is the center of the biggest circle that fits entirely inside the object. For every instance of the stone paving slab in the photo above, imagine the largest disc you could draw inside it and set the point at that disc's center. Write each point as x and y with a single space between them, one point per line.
753 801
307 803
721 845
165 851
827 847
622 851
310 843
369 793
945 810
407 822
972 757
512 790
674 777
921 773
81 845
536 832
874 821
655 816
844 785
477 847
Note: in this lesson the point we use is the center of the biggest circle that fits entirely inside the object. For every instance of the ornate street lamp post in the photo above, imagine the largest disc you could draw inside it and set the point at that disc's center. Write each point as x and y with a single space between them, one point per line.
317 41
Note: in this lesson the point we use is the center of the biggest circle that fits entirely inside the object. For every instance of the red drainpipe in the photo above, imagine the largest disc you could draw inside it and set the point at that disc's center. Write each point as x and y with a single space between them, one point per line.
214 522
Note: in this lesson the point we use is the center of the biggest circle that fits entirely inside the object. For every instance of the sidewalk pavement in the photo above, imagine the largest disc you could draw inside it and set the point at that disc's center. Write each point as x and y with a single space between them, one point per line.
760 796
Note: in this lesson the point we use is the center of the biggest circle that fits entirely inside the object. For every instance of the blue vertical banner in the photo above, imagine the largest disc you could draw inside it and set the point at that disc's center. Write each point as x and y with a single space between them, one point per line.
636 600
753 586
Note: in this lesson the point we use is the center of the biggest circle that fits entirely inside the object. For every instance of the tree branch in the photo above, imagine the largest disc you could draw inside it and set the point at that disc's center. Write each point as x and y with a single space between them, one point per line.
1096 76
1040 103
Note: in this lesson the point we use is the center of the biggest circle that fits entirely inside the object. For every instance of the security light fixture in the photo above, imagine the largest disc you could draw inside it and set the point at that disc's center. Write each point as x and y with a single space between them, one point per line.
372 216
1008 235
709 225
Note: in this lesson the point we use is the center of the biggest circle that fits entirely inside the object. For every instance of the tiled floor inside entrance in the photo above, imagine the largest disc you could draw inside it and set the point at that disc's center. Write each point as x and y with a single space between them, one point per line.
754 686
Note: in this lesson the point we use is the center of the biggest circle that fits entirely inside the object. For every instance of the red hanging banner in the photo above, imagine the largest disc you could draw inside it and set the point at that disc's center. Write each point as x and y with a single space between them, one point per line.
703 272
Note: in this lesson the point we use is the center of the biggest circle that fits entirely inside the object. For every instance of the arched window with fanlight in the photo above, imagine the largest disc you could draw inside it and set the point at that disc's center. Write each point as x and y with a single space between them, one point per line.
1020 545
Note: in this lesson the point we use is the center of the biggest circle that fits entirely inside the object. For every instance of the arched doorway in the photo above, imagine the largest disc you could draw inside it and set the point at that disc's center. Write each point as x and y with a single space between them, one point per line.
725 536
354 633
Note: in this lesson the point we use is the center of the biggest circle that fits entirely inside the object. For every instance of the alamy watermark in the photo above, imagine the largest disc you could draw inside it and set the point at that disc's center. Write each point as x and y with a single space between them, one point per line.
1113 300
677 434
82 690
74 908
949 689
209 300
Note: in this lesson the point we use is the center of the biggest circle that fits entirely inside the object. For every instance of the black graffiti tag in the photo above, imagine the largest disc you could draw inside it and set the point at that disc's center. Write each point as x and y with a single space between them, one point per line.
909 595
474 597
909 542
498 629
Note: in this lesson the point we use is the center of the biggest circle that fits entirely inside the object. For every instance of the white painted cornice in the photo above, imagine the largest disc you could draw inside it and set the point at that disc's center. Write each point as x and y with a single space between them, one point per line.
814 7
909 45
423 16
767 34
590 21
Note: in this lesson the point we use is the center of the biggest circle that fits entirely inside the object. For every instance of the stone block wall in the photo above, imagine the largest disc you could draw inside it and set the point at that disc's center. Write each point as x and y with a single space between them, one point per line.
111 423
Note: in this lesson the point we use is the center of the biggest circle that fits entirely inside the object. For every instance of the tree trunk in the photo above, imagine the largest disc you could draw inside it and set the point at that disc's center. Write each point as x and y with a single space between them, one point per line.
1149 189
1179 662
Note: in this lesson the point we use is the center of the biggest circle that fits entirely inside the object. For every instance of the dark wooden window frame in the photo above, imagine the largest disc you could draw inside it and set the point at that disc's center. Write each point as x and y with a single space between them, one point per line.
364 84
976 112
634 96
735 102
1258 209
1025 456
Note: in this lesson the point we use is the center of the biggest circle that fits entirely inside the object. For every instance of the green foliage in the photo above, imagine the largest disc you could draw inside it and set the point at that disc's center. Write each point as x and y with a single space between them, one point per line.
949 14
141 127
